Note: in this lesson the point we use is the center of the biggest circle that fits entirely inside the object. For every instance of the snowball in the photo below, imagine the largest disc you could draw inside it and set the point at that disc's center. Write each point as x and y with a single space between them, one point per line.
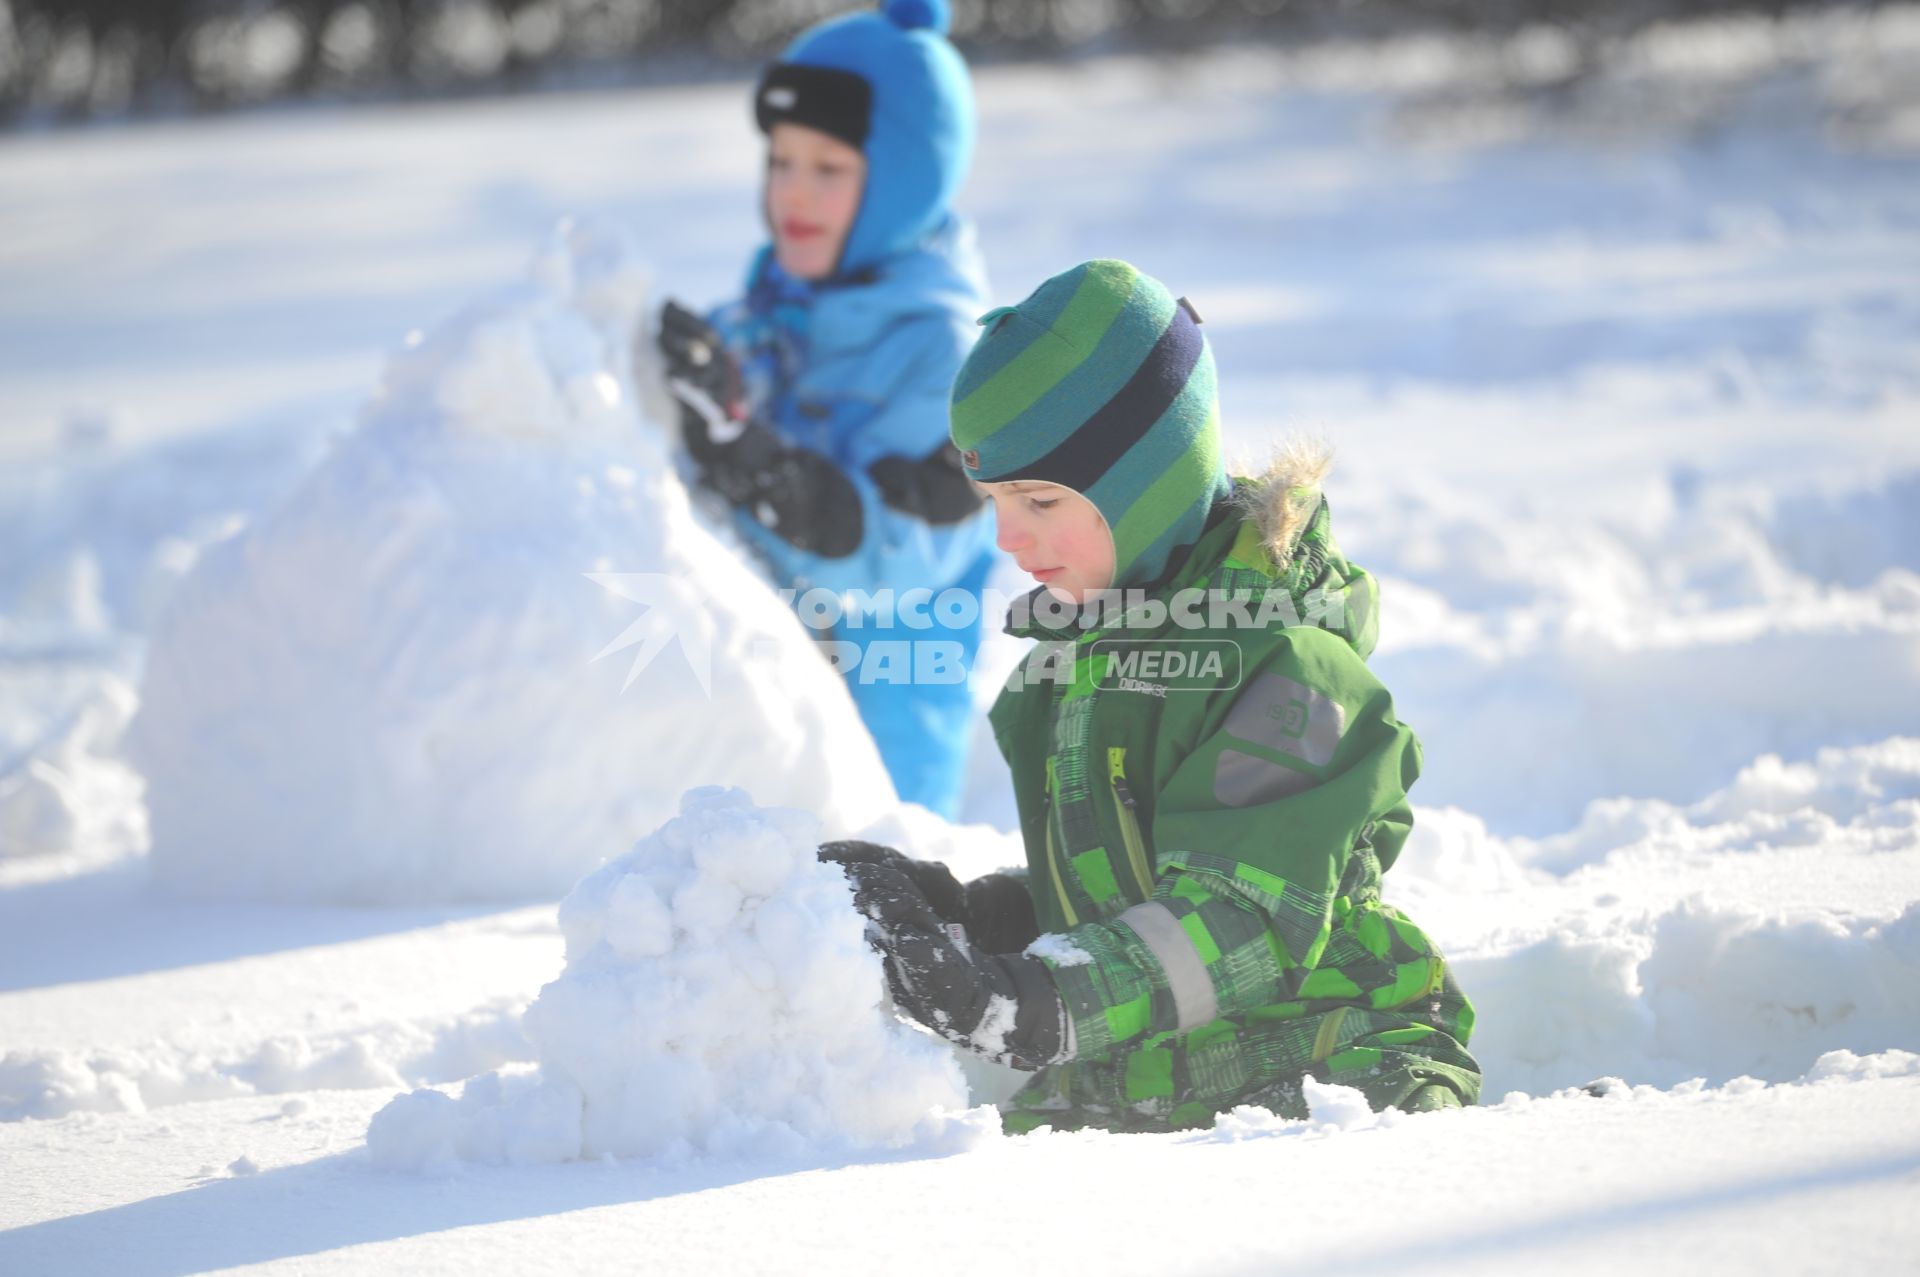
719 999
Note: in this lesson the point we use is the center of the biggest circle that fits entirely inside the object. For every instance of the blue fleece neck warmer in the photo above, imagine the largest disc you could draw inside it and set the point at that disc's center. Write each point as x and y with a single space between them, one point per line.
920 122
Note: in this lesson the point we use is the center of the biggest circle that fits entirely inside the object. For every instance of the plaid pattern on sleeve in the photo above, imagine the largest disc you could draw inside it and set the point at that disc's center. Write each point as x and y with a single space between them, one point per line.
1256 938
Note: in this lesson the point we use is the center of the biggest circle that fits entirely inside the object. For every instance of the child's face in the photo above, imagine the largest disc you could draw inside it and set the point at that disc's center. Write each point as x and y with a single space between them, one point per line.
1055 534
814 183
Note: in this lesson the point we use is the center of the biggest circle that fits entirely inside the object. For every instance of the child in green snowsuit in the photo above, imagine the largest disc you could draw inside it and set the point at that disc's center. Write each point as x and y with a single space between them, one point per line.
1210 780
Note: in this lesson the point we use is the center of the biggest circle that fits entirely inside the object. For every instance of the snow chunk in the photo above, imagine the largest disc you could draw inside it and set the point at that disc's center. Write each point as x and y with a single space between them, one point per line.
1341 1107
1332 1109
1060 951
387 688
719 999
1249 1121
990 1036
497 1119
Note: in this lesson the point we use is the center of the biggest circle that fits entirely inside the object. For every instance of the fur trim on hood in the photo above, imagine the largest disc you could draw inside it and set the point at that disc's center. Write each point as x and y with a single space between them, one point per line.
1282 500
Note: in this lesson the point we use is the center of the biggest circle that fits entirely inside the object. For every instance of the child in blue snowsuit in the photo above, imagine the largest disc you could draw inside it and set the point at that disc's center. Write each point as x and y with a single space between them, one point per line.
817 403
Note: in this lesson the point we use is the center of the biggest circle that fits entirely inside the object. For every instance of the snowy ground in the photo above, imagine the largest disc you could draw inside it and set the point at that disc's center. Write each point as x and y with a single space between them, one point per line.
1625 383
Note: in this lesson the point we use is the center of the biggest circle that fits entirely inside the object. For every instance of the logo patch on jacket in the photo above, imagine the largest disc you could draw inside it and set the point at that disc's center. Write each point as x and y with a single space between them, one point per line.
1288 718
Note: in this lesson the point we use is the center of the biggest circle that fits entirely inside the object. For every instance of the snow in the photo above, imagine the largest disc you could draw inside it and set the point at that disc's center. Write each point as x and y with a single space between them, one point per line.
1845 1066
1697 1180
1745 933
1695 614
1621 375
1059 950
51 1084
1330 1110
1340 1107
719 999
386 687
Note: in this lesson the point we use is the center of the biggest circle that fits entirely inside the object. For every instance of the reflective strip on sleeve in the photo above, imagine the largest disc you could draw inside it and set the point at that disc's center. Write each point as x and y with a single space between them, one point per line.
1241 780
1194 1002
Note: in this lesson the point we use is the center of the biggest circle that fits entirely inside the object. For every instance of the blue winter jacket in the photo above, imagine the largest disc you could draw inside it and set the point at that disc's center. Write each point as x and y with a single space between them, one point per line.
858 372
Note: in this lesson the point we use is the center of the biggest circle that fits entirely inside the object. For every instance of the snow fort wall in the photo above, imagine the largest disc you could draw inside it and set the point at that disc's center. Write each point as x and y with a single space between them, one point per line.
386 688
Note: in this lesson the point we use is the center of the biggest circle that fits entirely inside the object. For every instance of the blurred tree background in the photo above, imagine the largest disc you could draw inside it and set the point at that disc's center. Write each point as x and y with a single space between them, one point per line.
64 60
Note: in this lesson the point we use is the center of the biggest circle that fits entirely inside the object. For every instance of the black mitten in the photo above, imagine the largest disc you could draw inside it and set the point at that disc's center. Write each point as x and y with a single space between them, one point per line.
799 494
936 882
705 380
1003 1006
999 913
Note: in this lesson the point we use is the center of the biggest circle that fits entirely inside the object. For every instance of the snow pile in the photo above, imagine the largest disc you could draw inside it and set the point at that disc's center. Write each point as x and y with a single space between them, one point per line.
97 537
1701 989
63 785
1846 1066
1863 800
1695 615
1746 934
719 999
105 527
52 1083
1452 854
1831 1068
386 688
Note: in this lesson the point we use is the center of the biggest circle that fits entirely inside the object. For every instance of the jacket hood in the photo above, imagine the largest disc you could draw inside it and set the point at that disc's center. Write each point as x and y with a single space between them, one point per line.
1281 502
1286 536
1274 533
920 129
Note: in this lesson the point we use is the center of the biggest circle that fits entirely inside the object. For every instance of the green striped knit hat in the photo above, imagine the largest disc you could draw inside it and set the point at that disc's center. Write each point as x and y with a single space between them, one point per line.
1100 382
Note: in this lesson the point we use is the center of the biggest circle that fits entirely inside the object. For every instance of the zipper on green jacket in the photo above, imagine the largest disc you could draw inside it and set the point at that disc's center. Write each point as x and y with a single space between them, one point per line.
1053 855
1129 815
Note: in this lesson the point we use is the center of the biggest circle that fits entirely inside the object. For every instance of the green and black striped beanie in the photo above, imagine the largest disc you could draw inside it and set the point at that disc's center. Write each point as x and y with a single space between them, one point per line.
1101 382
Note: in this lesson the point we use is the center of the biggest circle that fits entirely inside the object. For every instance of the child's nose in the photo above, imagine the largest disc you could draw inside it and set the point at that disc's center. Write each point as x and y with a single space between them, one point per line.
1009 535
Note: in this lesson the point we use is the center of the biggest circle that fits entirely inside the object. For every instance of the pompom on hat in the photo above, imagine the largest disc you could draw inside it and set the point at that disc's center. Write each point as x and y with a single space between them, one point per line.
1101 382
889 84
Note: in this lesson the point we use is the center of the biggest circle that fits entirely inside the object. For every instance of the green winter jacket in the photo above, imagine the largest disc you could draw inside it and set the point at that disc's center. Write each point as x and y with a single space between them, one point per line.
1205 839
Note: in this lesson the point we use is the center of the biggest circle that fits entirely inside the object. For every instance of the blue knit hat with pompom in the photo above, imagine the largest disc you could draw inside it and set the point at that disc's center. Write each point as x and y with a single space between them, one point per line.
889 83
